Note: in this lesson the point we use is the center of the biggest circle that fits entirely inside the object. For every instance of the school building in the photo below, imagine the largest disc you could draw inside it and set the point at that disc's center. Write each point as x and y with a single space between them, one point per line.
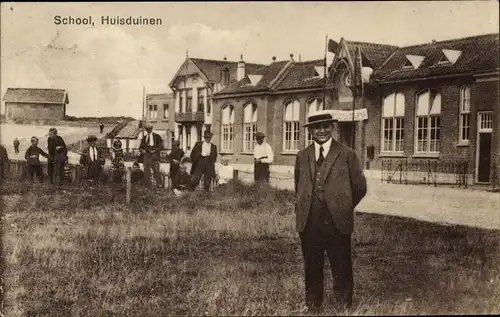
434 101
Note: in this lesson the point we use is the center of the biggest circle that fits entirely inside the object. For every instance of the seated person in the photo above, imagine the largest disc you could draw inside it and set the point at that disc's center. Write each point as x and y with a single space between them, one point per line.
184 181
137 173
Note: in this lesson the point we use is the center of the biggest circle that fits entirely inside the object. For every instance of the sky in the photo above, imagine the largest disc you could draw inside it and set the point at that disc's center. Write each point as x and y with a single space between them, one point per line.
105 67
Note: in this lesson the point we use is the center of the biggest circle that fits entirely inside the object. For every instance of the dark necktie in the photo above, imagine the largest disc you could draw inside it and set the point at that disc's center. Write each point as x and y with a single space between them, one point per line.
94 153
321 157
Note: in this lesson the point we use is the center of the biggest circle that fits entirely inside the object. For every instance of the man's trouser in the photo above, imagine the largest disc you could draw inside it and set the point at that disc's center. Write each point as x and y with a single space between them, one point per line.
151 163
55 171
261 172
203 168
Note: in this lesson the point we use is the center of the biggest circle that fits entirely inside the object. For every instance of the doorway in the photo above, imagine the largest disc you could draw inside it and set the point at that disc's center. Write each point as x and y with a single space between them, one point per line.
346 131
483 148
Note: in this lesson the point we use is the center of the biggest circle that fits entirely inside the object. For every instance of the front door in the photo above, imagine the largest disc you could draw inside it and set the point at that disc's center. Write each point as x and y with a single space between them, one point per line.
346 133
484 160
483 154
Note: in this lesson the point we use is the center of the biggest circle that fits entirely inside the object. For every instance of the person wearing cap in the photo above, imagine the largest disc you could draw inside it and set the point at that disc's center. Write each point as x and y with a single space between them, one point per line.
150 148
93 160
117 161
32 156
175 157
263 157
329 183
58 152
203 158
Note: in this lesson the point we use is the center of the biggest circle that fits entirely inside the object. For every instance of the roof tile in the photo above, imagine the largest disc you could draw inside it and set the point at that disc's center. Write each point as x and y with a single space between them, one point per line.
36 95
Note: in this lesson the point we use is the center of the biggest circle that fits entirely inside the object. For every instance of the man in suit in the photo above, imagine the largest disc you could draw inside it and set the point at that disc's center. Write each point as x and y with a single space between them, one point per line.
93 160
329 183
150 148
58 153
203 158
176 156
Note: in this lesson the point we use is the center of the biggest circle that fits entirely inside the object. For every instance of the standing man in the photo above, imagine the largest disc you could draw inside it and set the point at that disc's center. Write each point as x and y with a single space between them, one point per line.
329 183
58 154
203 157
93 160
4 162
151 145
176 156
101 127
263 157
16 145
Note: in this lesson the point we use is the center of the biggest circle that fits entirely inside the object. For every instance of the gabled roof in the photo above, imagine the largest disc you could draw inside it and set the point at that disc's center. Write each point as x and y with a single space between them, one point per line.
302 75
130 131
373 55
268 73
212 68
36 95
478 54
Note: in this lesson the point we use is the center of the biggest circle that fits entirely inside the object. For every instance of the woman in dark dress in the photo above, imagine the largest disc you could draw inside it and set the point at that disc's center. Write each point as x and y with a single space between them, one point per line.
176 156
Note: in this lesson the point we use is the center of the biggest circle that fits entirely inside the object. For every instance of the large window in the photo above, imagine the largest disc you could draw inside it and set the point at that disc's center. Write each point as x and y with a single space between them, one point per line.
165 111
428 122
249 126
312 106
291 126
153 112
464 125
189 100
393 113
201 99
227 128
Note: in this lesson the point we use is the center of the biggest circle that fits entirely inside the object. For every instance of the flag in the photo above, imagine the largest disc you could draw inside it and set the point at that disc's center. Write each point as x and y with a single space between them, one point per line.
332 46
358 79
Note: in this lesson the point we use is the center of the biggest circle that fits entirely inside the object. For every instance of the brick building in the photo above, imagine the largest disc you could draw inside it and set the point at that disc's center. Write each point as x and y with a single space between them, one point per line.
35 104
159 113
193 85
434 101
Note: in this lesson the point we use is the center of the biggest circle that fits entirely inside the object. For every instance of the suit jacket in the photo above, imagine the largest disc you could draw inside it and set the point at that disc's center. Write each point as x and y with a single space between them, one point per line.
196 155
343 182
52 143
154 150
86 160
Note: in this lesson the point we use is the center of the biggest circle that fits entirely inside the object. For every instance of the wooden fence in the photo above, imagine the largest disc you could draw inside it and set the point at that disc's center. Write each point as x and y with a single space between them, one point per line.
75 175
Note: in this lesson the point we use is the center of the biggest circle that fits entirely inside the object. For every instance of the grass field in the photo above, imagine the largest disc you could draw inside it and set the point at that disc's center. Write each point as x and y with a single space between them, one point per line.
233 253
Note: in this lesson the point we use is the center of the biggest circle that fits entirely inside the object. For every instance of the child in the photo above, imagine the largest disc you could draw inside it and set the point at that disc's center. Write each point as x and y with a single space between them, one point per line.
183 182
117 163
137 173
32 157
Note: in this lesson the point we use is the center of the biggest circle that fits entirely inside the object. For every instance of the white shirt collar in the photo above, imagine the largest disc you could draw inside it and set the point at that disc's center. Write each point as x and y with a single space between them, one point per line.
326 148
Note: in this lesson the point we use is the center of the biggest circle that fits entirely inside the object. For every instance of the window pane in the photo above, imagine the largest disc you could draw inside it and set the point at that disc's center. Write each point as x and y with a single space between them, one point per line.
247 113
388 107
400 105
225 115
423 104
436 104
296 110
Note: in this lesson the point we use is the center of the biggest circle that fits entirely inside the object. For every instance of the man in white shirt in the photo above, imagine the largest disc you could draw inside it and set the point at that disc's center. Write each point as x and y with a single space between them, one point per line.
263 157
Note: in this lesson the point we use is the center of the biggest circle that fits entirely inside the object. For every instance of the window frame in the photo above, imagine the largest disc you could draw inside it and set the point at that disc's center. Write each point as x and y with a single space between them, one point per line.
394 119
294 128
252 124
227 129
429 118
464 90
166 110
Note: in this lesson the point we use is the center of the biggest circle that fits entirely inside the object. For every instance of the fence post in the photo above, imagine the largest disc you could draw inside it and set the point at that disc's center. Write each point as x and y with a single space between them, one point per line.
129 184
235 175
435 173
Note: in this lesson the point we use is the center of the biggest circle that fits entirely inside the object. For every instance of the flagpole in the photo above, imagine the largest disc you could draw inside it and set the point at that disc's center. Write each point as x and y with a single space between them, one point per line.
143 108
324 72
354 85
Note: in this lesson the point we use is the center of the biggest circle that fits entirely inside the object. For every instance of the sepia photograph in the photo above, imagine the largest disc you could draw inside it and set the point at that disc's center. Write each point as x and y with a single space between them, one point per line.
249 158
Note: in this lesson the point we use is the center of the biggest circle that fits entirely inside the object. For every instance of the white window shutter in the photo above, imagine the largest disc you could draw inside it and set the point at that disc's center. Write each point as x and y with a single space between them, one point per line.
423 104
400 105
436 104
388 107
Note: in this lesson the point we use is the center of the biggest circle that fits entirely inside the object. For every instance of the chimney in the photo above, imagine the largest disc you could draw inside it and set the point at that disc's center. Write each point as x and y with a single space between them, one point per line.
274 59
225 58
433 41
291 56
240 72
